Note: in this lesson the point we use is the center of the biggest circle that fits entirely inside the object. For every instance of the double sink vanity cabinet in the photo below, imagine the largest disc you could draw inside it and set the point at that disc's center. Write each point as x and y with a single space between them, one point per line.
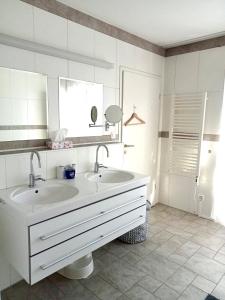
53 224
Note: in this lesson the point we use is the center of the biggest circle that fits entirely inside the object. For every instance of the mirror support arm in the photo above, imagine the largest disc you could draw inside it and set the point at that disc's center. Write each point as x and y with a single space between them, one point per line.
107 125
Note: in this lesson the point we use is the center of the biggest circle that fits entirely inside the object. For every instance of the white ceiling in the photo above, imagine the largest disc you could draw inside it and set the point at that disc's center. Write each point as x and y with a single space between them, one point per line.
164 22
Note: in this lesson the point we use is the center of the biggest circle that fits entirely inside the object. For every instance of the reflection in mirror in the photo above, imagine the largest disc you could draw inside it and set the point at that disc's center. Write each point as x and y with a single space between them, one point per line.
94 114
82 111
76 99
23 103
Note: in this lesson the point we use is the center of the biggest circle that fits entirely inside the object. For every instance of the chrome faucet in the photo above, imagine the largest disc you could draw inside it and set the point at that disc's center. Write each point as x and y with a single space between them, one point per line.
32 177
97 164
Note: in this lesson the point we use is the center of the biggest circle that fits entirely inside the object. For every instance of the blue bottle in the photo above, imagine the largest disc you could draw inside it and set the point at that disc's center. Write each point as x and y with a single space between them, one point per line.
70 172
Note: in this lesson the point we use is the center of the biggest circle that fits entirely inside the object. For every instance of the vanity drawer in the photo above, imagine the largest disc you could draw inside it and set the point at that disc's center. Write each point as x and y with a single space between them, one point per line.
54 259
54 231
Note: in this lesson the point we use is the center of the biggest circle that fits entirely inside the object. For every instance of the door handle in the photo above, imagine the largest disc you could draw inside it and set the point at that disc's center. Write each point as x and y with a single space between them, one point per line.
128 146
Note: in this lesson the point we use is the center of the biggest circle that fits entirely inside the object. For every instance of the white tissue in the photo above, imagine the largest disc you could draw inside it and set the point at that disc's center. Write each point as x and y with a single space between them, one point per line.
59 135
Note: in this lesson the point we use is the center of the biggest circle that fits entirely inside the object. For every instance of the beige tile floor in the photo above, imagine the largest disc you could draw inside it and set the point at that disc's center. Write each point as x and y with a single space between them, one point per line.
183 258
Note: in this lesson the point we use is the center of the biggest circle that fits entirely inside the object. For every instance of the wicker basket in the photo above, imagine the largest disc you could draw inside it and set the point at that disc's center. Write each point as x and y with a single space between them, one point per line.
138 234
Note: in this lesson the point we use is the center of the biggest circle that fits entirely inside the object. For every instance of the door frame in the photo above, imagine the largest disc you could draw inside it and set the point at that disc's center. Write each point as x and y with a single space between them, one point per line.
122 69
135 71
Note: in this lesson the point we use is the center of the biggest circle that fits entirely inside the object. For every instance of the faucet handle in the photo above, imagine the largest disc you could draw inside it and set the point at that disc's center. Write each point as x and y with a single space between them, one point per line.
102 166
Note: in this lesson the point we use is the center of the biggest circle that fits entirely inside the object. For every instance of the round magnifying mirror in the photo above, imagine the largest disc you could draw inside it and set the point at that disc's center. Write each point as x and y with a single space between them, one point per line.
113 114
94 114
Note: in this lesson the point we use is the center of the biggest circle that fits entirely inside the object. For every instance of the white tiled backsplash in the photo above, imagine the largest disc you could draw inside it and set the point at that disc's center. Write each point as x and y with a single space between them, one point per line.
14 169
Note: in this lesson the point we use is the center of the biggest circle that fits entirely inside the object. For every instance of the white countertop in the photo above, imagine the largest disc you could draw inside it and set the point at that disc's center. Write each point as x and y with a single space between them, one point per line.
89 192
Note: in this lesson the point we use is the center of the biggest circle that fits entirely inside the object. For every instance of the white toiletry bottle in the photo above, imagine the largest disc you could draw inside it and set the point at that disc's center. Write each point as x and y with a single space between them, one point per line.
60 172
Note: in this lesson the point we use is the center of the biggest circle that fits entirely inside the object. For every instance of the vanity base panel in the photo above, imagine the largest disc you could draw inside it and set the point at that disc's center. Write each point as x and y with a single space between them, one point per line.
56 258
59 229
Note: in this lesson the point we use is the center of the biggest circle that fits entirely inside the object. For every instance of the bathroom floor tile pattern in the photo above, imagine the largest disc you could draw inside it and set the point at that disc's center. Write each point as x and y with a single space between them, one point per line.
183 258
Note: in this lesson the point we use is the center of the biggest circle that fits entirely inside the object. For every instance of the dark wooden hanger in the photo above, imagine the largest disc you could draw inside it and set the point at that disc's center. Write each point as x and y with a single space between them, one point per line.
134 116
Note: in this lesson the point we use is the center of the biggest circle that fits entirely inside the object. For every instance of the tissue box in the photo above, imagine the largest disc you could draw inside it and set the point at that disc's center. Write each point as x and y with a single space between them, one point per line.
59 145
55 145
68 144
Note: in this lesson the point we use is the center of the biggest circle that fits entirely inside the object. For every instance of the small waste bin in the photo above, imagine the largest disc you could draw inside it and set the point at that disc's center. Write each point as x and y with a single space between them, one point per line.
81 268
138 234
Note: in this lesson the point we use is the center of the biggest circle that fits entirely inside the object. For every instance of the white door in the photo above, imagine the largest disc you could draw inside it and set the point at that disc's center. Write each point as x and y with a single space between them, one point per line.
142 91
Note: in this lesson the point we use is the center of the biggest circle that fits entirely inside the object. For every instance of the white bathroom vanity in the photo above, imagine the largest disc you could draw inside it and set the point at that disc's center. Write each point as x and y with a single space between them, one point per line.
53 224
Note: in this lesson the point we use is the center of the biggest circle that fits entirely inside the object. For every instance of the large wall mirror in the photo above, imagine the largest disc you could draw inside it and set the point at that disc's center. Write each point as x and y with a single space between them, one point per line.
23 105
79 103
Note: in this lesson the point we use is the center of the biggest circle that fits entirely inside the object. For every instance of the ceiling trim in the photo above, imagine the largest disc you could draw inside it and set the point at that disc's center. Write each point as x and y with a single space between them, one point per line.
196 46
67 12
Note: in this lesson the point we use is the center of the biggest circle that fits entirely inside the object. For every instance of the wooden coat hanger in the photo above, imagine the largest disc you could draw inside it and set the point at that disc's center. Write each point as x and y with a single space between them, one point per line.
136 117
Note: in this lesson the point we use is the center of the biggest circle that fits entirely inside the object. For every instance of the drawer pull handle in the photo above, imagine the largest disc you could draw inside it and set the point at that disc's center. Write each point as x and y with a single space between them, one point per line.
47 266
102 213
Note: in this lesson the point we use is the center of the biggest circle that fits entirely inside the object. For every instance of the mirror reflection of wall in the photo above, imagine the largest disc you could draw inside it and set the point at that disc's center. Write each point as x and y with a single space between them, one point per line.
23 102
76 100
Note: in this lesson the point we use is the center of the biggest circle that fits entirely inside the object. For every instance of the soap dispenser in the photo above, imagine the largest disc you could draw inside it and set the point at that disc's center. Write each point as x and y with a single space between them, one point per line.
70 171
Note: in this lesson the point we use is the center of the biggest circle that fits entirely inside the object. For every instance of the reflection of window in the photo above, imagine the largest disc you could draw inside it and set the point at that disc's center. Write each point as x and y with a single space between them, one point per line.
23 113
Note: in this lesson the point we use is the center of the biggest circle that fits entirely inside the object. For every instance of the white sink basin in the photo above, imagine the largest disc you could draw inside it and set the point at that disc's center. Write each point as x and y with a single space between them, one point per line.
46 193
110 176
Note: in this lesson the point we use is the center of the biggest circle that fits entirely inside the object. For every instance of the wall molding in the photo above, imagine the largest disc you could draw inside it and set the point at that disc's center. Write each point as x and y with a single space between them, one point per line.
74 15
196 46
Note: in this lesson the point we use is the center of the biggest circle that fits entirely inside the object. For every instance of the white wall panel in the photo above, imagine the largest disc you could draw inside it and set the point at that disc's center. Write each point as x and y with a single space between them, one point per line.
186 77
106 76
206 181
105 47
164 189
16 19
51 66
80 71
50 29
213 114
164 162
53 104
169 75
211 69
15 58
80 39
126 55
165 113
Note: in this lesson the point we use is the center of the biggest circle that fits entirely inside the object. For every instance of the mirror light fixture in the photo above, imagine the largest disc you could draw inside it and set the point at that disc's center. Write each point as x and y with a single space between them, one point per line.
52 51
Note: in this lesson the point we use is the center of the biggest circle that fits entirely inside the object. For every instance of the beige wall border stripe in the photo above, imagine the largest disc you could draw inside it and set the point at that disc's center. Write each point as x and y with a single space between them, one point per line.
196 46
67 12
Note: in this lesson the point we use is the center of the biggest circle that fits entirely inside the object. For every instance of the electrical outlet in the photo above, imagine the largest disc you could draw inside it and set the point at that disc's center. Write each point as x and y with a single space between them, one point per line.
201 199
